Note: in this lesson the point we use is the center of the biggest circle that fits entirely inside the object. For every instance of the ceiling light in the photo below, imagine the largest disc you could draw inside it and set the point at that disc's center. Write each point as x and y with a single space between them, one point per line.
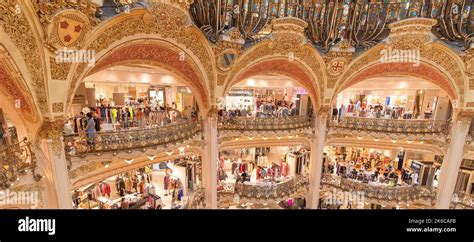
169 152
394 141
421 142
376 140
250 138
359 138
265 138
106 166
409 141
279 137
236 139
151 157
289 136
129 161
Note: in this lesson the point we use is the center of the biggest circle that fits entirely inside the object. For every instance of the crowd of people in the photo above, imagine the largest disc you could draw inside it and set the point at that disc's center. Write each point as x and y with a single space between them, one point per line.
361 109
374 168
264 109
136 114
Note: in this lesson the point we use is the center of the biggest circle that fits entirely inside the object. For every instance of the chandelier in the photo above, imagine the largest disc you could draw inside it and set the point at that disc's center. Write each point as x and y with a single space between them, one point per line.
362 23
16 160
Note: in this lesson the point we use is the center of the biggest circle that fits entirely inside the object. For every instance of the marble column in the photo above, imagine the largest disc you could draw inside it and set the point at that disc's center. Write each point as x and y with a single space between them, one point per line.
452 161
209 163
317 155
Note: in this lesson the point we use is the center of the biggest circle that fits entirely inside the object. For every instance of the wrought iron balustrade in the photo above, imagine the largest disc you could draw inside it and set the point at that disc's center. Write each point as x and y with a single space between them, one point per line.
373 191
362 23
274 191
16 160
463 200
408 126
264 124
132 138
196 200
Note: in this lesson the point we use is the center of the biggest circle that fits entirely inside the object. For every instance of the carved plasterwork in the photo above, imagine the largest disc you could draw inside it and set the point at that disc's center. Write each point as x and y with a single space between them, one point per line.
58 107
47 10
59 71
52 130
164 21
336 63
17 27
13 86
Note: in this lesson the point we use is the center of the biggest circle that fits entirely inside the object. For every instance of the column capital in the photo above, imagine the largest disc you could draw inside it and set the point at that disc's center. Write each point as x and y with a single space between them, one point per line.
324 110
53 130
464 115
212 112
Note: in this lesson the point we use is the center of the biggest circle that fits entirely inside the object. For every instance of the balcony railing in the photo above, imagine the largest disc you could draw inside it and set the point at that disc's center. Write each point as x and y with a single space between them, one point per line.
267 190
461 200
125 140
264 124
16 160
196 200
406 126
380 192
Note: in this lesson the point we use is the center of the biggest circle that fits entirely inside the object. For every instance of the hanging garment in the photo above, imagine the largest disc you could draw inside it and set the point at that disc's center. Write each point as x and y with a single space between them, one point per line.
180 194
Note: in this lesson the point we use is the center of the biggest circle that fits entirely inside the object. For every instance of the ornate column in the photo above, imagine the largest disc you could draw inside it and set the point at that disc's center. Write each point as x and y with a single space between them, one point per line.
209 162
51 158
453 159
317 153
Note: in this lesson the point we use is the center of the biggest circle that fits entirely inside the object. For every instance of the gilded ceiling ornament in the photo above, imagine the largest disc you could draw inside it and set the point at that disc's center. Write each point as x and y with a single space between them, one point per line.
59 71
68 29
58 107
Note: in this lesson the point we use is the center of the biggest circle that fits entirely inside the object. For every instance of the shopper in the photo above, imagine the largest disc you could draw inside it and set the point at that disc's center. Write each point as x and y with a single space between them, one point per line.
79 123
91 132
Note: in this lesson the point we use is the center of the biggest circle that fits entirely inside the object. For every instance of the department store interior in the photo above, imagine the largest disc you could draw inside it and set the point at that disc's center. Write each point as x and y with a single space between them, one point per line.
184 112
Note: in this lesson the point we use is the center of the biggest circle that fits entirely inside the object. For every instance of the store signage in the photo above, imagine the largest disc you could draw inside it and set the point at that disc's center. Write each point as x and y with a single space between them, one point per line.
240 92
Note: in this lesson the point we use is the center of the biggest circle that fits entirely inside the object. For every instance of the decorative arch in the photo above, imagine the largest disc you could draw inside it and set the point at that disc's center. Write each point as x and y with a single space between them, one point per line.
161 55
438 64
161 22
286 55
12 88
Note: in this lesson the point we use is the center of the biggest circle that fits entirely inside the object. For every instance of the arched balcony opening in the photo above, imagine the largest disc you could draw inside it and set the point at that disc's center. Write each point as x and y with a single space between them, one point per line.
394 105
380 177
266 175
134 106
137 181
266 103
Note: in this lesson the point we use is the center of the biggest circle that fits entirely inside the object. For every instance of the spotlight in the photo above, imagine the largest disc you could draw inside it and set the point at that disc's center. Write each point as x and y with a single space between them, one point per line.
129 161
409 141
151 157
359 138
170 152
394 141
